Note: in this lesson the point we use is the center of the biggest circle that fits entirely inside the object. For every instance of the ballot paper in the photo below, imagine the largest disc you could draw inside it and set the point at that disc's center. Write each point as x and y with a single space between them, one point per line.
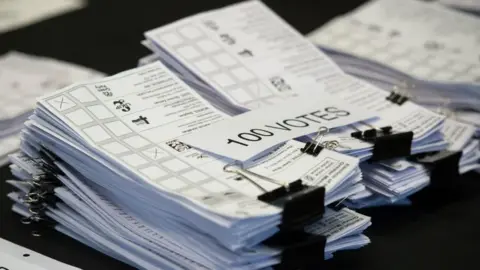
135 119
262 60
342 229
117 142
15 257
22 79
18 13
248 134
393 180
423 49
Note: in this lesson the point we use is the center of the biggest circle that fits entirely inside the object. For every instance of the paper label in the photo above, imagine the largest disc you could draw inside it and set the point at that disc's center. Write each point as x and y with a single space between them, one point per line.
248 134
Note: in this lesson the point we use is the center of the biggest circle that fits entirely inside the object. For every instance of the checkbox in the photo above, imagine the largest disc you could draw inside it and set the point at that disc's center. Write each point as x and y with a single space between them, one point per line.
194 193
225 60
215 186
208 46
173 183
438 62
175 165
188 52
96 133
242 74
240 95
171 39
190 32
155 153
213 167
153 172
79 117
115 148
206 66
195 176
259 90
118 128
223 80
83 95
136 142
100 111
61 103
134 160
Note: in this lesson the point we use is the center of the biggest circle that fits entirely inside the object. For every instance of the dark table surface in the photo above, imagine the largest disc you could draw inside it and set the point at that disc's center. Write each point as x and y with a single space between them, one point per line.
440 231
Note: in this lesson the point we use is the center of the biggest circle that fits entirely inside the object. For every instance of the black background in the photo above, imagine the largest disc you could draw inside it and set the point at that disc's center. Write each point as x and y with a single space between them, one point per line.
440 231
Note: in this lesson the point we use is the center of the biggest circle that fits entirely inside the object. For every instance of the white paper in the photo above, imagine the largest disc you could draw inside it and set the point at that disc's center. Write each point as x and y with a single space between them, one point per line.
473 5
275 49
248 134
247 53
423 40
18 13
412 19
15 257
457 134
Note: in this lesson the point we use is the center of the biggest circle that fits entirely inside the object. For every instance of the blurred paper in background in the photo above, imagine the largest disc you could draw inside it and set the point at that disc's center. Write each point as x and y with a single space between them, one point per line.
18 13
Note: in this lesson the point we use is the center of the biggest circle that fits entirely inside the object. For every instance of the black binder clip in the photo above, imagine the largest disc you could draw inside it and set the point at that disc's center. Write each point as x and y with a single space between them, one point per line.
443 166
386 144
41 196
314 147
397 98
301 203
400 97
300 250
47 162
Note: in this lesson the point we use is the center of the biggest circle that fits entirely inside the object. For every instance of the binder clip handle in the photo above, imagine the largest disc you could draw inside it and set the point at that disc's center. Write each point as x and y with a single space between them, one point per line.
314 147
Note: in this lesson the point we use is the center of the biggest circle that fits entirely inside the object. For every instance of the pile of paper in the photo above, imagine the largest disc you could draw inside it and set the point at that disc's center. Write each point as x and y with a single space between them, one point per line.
22 79
421 48
263 60
197 160
128 185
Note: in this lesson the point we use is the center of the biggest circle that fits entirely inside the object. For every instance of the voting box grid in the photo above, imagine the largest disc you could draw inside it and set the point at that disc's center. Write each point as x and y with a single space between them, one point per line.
106 130
224 71
361 40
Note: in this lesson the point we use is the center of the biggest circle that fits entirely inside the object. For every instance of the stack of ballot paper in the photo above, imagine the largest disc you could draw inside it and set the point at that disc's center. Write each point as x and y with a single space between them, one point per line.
262 60
22 79
424 49
413 48
108 165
